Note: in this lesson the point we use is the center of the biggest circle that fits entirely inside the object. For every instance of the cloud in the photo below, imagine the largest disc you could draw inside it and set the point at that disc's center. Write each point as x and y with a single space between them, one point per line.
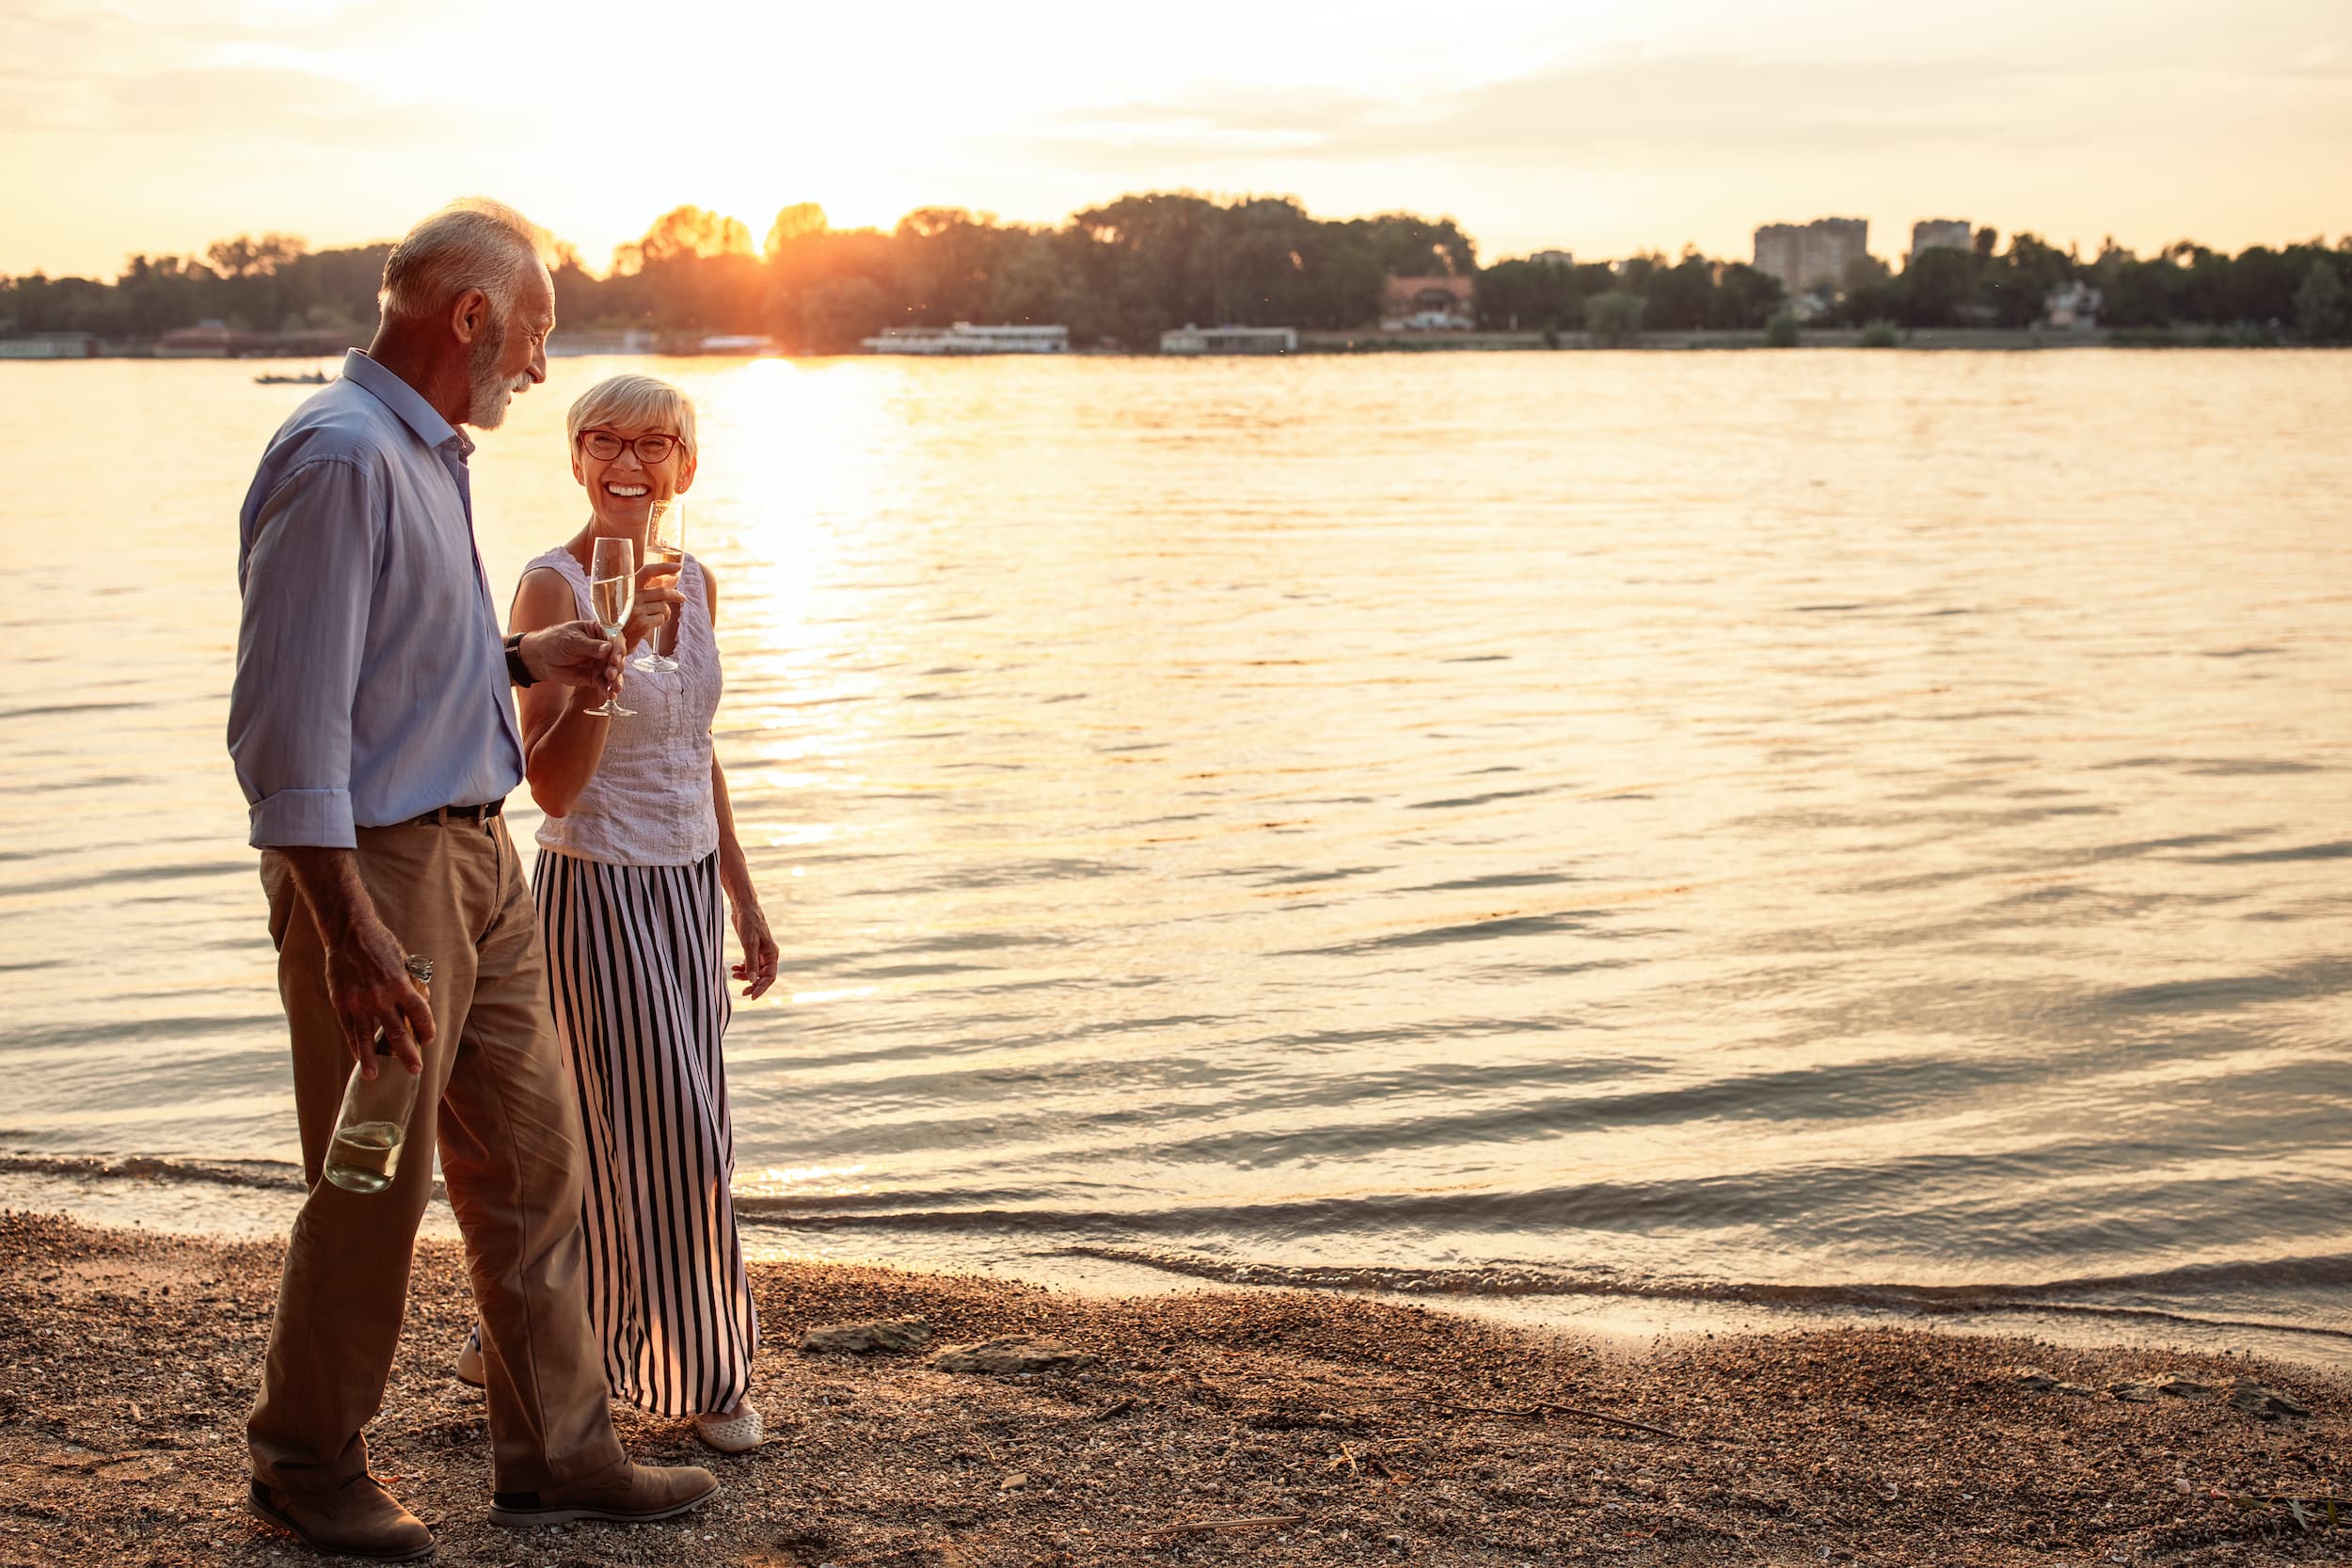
305 114
1640 106
262 102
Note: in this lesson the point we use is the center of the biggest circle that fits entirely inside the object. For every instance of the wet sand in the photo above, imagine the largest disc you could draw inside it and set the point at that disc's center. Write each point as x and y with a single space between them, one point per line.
1217 1427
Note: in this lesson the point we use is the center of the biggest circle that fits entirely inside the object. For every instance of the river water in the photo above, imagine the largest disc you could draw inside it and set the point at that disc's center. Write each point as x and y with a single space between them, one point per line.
1834 828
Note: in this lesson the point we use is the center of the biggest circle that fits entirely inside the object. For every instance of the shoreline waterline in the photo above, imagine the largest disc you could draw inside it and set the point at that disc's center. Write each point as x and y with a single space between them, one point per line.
256 1201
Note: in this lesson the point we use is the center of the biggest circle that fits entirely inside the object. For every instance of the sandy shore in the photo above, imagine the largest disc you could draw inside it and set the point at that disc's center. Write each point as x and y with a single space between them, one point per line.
1217 1426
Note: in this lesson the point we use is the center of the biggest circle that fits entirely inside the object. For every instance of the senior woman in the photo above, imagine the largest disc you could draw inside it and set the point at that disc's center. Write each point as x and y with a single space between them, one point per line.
637 846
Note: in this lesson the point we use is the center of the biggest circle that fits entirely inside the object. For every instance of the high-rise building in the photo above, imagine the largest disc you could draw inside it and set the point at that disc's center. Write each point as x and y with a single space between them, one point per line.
1808 255
1940 234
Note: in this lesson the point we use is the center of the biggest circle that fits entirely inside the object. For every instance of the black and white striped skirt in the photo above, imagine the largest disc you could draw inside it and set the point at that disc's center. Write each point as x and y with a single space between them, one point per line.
635 972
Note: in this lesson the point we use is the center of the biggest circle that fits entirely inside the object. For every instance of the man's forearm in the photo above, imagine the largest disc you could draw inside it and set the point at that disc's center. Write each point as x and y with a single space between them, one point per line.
367 979
330 884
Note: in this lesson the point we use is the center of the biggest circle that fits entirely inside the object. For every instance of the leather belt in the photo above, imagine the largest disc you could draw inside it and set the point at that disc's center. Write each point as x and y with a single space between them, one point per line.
483 813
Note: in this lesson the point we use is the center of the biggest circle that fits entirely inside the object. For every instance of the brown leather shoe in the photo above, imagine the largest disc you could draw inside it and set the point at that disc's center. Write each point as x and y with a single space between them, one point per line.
624 1495
356 1519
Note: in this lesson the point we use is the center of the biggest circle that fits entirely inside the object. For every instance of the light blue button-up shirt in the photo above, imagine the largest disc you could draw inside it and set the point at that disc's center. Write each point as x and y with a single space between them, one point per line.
371 681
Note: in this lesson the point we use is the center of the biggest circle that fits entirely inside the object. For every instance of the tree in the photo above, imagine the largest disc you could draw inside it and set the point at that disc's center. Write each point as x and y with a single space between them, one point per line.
942 258
794 223
1411 246
1933 287
836 315
1745 298
2014 289
2138 293
1345 285
1615 318
1030 283
1678 298
682 233
1865 271
246 257
1781 331
1527 294
2321 308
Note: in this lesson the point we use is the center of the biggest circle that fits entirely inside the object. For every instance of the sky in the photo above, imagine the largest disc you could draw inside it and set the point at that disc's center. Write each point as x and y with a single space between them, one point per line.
157 126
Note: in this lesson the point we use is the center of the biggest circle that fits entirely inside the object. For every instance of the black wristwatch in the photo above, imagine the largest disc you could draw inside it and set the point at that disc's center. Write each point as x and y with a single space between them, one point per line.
516 671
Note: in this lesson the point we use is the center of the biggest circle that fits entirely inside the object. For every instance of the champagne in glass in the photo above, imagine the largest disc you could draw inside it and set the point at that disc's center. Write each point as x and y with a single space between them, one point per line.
666 542
612 595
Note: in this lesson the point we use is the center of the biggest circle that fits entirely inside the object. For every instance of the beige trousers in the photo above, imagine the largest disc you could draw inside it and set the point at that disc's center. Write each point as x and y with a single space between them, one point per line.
496 1098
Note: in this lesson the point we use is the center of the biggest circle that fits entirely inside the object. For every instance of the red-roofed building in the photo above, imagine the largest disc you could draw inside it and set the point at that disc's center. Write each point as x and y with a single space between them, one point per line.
204 341
1429 305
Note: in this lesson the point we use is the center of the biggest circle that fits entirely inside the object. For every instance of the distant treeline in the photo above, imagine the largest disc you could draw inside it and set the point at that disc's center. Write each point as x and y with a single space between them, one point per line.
2303 289
1124 272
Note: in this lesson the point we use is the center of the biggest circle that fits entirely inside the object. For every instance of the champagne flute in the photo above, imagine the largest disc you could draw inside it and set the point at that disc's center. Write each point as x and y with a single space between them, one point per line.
612 595
666 542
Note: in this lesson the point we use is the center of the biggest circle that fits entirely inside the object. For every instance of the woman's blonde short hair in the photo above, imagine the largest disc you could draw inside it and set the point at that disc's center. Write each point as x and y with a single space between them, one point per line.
633 402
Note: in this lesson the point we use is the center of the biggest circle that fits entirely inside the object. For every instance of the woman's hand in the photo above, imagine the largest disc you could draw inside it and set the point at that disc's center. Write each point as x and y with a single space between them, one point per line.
657 602
759 967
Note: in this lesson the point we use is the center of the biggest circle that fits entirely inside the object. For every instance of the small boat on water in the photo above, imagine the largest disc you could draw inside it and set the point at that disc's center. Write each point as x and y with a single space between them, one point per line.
309 378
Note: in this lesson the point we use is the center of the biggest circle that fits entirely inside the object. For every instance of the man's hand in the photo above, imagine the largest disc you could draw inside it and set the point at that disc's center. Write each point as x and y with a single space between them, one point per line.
367 972
367 980
574 652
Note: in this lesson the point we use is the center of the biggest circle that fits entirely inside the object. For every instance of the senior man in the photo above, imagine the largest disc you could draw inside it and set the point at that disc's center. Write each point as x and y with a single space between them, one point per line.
373 733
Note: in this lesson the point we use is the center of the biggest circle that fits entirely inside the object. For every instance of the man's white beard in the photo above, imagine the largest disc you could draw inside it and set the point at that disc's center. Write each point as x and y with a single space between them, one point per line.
487 390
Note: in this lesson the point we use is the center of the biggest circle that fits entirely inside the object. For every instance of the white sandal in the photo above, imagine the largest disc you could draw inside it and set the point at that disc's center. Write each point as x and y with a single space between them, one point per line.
737 1433
469 1366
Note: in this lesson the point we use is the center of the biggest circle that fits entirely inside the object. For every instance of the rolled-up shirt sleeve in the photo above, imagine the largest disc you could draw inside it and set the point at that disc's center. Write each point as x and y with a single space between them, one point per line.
308 579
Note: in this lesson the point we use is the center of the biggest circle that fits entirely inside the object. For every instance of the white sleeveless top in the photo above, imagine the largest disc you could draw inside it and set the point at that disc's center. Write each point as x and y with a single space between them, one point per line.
649 802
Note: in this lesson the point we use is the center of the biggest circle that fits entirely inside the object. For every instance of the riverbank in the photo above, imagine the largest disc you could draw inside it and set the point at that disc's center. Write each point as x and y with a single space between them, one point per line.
1374 340
1981 339
1215 1427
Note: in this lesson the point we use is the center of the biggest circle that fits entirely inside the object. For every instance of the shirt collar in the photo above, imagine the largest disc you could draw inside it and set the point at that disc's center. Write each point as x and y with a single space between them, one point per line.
404 401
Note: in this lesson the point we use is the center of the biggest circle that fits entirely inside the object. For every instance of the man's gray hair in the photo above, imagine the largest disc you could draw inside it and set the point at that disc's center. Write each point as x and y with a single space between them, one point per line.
472 244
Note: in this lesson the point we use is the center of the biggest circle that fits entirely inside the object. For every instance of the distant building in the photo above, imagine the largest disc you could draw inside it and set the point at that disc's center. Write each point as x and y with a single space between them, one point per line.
965 339
745 345
1428 304
1940 234
1552 259
49 345
1189 339
1808 255
204 341
571 344
2072 307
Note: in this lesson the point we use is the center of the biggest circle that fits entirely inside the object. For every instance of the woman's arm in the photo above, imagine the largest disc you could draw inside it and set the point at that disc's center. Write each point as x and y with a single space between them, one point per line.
561 742
758 969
